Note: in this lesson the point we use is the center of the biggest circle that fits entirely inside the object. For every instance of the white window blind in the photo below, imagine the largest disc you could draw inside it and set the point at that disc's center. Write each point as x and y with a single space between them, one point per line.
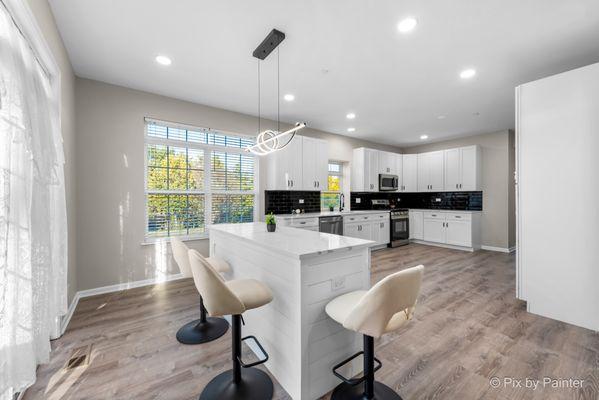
196 177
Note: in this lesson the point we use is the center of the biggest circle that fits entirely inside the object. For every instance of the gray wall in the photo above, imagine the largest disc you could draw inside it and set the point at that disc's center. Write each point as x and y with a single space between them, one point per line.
45 19
110 177
498 217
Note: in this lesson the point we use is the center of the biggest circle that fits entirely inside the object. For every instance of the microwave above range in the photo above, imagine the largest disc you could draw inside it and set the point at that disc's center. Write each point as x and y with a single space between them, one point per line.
388 183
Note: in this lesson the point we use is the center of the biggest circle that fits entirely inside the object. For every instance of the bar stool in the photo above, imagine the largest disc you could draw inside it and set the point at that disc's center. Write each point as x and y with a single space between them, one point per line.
387 306
233 298
206 328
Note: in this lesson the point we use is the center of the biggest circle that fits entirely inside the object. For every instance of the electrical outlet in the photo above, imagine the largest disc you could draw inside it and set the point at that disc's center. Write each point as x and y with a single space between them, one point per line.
358 200
438 199
301 201
338 283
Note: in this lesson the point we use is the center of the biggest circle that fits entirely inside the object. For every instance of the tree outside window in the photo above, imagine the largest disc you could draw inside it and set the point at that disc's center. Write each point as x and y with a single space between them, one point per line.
330 197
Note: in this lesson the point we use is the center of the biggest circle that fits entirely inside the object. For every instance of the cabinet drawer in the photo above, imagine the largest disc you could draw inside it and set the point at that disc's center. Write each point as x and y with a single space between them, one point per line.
434 215
303 222
380 217
458 216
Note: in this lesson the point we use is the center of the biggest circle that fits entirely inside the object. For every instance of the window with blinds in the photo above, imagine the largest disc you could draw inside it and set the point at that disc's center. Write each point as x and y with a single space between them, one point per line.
196 177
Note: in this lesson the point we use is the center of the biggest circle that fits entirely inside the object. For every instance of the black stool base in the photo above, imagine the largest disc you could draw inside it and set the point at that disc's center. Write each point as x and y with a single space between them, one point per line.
255 385
356 392
196 332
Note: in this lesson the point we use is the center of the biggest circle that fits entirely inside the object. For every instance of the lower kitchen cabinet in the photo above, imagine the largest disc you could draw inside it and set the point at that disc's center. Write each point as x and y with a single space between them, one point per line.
375 227
453 228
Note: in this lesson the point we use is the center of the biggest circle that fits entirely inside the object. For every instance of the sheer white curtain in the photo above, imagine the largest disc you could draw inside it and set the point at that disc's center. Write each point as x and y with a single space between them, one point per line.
33 232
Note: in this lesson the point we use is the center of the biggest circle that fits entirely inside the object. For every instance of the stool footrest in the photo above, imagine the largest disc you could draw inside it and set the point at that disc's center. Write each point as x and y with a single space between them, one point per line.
354 381
262 361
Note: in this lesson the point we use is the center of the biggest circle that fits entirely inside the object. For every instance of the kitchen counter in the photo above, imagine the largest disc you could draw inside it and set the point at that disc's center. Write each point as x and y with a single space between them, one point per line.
330 214
304 270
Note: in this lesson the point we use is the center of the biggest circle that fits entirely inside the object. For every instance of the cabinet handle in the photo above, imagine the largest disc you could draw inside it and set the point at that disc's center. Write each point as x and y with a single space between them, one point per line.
457 216
456 186
460 185
382 225
318 184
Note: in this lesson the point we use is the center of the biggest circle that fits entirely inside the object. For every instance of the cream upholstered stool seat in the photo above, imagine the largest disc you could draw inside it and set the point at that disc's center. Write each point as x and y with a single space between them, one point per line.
206 328
387 306
233 298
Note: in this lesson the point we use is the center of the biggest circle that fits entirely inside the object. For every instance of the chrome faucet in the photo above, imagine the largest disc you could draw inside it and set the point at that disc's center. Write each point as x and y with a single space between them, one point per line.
341 202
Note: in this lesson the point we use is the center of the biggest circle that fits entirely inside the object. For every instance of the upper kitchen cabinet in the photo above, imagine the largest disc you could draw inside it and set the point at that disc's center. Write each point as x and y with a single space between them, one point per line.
301 165
431 171
315 162
463 169
388 163
365 170
409 173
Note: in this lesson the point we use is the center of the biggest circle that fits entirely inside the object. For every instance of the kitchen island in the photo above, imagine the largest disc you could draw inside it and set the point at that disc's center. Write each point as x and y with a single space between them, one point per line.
305 270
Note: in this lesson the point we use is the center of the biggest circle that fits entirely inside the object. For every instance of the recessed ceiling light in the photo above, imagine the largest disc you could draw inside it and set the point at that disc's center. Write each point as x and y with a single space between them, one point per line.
351 129
163 60
289 97
441 117
407 25
467 73
423 137
350 116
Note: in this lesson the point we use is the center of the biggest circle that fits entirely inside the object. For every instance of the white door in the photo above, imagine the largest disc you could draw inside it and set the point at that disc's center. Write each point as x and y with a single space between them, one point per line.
409 172
423 172
469 168
351 230
459 233
365 231
384 233
453 166
372 176
436 171
416 225
434 230
322 165
309 149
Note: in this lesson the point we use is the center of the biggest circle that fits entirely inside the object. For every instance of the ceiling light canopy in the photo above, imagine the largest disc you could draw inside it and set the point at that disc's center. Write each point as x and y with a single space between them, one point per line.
423 137
407 25
468 73
289 97
351 129
163 60
350 116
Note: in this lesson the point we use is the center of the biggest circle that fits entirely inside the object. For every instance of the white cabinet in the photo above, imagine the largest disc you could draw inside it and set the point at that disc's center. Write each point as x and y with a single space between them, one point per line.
360 230
301 165
375 227
364 170
463 169
409 173
314 163
431 171
434 230
387 163
416 225
458 233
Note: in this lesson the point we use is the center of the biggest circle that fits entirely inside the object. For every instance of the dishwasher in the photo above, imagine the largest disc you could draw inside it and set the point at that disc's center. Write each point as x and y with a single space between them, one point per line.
332 225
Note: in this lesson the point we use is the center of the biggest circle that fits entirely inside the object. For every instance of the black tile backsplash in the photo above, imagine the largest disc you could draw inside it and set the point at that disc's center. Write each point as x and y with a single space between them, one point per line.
283 201
472 201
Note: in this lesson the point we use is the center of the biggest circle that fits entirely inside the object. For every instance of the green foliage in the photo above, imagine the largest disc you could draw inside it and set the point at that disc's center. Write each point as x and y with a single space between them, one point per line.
270 219
329 200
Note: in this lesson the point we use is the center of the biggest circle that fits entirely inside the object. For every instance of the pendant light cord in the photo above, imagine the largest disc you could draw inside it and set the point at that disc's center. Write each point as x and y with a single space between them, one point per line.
278 92
259 130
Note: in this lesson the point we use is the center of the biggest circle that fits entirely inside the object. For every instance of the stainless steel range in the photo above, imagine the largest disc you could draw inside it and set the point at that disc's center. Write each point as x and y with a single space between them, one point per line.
400 227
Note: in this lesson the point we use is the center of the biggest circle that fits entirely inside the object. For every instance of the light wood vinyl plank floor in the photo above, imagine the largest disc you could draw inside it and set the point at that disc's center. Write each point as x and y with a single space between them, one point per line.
468 328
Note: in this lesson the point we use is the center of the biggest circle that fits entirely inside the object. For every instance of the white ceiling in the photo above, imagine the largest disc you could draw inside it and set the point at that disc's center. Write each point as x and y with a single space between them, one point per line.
396 84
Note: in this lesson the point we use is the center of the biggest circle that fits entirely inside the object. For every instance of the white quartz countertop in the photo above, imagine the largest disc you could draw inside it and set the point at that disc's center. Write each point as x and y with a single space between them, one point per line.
330 214
290 241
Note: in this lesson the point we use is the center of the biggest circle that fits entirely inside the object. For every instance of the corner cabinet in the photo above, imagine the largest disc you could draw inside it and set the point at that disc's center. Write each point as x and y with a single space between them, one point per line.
463 169
365 170
301 165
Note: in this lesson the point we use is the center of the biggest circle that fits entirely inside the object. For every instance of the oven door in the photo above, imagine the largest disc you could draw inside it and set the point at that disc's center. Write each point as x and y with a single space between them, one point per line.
388 183
400 230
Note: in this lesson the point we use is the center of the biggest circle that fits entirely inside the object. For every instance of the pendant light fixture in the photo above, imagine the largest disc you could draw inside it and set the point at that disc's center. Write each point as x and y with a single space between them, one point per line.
269 141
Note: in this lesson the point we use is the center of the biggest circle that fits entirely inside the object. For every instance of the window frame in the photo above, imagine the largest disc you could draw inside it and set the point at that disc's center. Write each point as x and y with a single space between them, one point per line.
207 190
337 174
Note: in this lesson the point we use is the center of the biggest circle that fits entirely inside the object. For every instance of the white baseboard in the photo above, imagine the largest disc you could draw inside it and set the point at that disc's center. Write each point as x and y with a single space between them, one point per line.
110 289
499 249
446 246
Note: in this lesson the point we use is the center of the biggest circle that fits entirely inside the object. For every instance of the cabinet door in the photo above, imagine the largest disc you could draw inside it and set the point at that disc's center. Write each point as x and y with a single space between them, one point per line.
436 171
309 148
453 169
434 231
416 225
384 233
459 233
371 172
423 172
470 168
409 172
351 230
293 155
387 163
322 165
399 170
365 231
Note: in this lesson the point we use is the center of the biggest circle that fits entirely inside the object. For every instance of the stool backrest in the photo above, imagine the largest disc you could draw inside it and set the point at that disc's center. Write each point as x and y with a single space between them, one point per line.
180 255
218 298
396 293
